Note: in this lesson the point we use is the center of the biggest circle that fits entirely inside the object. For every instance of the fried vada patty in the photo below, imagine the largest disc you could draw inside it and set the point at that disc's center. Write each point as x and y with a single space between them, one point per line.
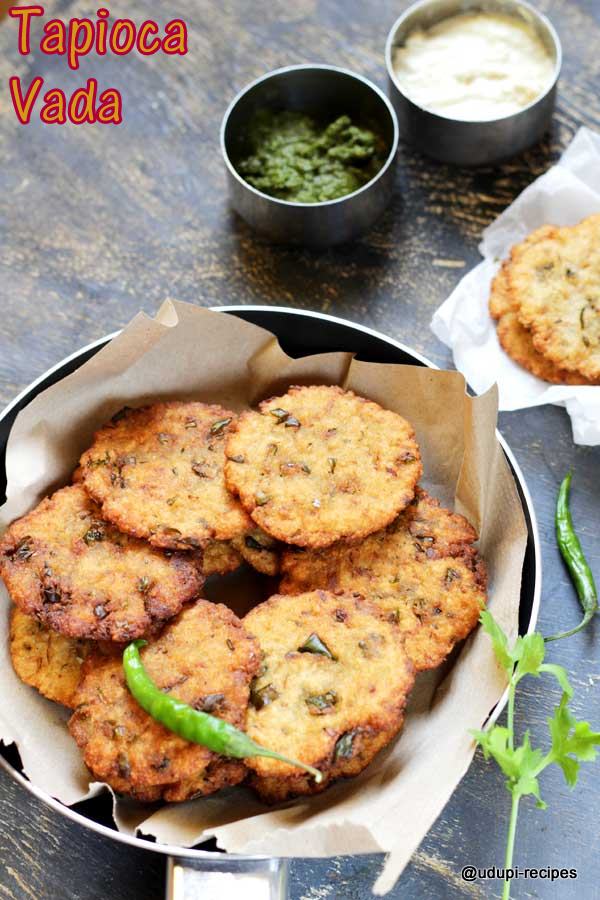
157 472
320 464
204 658
422 572
502 300
81 577
219 558
259 550
331 690
514 338
254 547
47 661
556 282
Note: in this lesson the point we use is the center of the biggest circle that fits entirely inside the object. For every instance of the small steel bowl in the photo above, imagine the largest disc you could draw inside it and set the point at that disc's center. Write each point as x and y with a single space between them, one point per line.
471 143
324 92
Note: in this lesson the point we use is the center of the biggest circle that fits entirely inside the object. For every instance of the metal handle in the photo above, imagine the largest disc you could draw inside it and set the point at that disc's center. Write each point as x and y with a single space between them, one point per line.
227 879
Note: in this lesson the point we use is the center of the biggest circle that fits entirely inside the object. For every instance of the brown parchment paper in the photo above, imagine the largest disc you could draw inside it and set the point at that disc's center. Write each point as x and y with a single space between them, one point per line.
191 352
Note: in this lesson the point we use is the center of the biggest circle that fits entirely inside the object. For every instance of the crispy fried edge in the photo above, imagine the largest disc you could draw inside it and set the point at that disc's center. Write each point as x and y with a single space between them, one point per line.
60 695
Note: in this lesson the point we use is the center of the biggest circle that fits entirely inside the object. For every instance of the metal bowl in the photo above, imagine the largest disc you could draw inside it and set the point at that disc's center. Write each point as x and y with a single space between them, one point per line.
300 334
324 92
471 143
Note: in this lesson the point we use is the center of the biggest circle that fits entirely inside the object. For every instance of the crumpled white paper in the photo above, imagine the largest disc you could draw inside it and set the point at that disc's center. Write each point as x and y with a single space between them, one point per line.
565 194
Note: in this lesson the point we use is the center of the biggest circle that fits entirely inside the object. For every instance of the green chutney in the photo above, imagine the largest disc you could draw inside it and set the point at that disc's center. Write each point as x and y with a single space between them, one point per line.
293 157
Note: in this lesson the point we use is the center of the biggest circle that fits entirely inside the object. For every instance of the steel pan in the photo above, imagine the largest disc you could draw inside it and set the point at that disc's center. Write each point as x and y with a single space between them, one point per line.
197 872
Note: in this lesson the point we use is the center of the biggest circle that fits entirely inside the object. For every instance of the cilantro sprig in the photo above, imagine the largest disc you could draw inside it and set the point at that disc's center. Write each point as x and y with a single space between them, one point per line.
571 742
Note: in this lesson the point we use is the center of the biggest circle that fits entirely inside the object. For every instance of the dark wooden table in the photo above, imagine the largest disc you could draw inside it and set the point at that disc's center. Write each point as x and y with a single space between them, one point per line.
99 222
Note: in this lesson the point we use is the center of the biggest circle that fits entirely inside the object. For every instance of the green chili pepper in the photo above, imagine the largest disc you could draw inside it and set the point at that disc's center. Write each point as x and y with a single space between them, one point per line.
322 702
218 426
314 644
579 570
261 697
345 745
192 724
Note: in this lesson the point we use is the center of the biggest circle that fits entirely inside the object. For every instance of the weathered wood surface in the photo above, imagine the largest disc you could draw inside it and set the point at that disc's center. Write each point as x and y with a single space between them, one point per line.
96 223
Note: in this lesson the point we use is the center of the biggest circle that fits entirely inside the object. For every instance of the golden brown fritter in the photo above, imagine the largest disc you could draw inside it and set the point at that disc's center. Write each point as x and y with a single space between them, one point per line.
157 471
331 691
204 658
320 464
514 338
556 282
516 341
501 298
47 661
501 301
219 558
422 572
259 550
81 577
255 547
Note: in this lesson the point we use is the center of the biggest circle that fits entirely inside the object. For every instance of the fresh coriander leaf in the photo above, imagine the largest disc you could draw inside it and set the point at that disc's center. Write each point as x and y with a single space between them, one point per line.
520 764
561 676
528 763
495 742
570 768
572 741
529 651
527 759
528 784
499 640
583 742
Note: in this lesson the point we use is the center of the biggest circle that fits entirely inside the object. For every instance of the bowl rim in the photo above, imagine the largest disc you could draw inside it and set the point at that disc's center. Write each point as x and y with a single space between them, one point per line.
462 7
322 67
174 850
